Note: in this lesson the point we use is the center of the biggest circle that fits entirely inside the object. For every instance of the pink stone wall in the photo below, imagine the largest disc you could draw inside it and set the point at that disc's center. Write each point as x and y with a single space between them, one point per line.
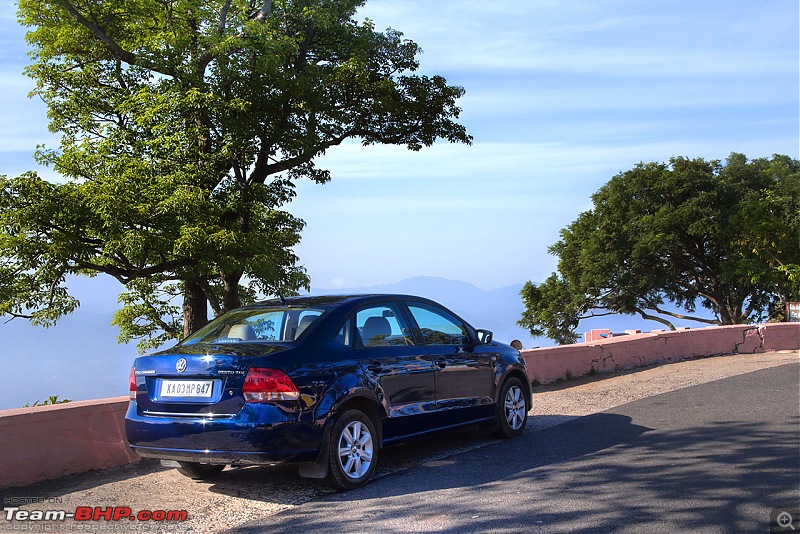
608 354
47 442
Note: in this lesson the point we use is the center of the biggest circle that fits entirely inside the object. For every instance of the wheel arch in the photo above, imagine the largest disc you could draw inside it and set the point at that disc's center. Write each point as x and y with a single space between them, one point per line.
357 400
520 375
369 407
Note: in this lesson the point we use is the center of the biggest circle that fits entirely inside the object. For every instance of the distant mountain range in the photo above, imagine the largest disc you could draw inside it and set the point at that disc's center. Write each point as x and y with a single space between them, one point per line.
81 359
497 310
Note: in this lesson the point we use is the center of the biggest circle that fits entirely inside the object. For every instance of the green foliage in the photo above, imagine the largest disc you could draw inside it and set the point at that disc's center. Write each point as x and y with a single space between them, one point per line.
52 399
146 303
184 126
726 237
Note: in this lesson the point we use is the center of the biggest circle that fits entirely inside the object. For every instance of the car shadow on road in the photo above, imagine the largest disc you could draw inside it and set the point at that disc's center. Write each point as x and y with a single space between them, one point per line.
442 461
557 444
724 474
281 484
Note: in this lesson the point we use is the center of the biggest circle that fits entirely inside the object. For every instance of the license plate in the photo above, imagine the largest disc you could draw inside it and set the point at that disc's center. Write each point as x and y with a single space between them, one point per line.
186 388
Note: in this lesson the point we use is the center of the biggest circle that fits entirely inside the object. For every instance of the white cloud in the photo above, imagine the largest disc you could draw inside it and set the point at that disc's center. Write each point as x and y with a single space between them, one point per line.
561 95
639 39
352 161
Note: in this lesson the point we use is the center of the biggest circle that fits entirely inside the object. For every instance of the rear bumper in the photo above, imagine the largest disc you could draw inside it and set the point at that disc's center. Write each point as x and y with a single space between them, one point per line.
258 434
224 457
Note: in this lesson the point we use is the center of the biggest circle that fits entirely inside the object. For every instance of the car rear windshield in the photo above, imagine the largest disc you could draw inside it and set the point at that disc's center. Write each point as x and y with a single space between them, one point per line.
265 325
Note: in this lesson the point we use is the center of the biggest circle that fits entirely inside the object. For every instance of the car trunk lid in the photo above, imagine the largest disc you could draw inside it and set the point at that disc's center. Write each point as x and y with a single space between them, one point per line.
196 381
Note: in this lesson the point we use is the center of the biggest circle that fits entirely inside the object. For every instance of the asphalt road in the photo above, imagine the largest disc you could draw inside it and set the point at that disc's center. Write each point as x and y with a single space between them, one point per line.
717 457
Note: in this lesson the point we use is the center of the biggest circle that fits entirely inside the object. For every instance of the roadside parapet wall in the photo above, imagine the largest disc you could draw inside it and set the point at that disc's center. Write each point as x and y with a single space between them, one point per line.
610 354
48 442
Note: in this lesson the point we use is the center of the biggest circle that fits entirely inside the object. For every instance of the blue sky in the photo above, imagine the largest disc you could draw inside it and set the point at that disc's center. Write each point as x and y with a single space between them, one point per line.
561 95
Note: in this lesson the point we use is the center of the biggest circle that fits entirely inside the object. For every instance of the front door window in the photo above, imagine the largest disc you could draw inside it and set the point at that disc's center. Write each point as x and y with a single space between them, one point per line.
382 326
438 326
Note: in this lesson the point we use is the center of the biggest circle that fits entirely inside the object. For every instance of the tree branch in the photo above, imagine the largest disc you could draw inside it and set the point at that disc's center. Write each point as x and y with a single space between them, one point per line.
686 317
262 169
681 316
223 17
17 316
751 307
592 314
126 275
302 54
213 300
656 318
263 13
116 50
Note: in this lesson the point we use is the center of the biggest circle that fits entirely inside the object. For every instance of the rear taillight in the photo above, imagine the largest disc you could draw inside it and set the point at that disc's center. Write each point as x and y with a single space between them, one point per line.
268 385
132 384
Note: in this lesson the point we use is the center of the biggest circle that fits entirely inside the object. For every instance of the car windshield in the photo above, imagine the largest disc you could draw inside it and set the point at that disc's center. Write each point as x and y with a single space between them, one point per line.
254 325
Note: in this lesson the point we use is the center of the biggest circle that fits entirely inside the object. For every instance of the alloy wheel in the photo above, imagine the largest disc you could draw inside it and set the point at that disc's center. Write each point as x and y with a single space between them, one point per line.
514 407
355 450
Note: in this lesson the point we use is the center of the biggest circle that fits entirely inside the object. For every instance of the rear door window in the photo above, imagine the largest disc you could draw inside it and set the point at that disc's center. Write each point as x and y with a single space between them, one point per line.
343 335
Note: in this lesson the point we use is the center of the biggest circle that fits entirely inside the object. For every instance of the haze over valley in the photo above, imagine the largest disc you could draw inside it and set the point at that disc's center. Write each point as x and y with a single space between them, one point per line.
80 358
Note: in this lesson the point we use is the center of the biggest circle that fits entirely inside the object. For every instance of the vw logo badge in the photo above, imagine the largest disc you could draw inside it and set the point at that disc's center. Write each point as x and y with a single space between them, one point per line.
180 365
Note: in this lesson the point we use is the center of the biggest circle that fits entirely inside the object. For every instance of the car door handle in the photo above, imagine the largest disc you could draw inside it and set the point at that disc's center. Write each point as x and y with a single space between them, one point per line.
441 363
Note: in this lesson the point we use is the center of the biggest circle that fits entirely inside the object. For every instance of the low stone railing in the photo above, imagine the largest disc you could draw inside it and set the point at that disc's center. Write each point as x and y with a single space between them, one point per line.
617 352
48 442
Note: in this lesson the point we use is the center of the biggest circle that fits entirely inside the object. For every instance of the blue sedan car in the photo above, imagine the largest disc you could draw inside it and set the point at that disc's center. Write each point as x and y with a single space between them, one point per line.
323 381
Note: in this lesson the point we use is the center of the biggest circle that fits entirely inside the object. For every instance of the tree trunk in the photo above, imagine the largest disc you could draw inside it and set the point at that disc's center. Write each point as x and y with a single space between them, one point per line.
230 290
195 307
721 301
728 313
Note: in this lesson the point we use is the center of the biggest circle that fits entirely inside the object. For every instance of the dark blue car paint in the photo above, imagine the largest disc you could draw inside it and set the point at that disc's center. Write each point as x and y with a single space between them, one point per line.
410 390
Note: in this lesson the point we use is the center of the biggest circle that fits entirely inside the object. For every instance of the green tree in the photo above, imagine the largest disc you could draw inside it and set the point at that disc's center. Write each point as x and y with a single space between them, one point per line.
184 126
690 232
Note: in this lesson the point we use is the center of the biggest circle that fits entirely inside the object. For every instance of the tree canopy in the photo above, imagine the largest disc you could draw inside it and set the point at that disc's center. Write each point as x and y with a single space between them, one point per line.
184 125
677 235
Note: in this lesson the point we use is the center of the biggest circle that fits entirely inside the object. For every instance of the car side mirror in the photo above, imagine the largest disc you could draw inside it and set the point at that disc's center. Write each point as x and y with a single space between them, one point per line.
484 336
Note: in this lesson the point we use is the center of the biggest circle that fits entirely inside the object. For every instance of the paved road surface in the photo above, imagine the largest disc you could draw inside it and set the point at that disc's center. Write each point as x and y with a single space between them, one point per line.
716 457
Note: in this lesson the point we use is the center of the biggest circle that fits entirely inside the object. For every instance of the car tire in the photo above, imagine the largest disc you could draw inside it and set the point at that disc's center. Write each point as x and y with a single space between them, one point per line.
353 450
198 471
512 409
